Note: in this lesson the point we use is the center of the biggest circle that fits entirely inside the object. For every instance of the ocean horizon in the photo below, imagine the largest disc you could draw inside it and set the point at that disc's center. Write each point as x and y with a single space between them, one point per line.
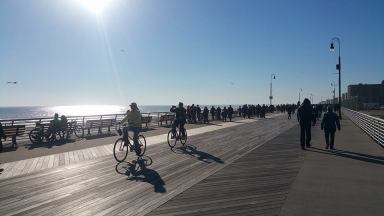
24 112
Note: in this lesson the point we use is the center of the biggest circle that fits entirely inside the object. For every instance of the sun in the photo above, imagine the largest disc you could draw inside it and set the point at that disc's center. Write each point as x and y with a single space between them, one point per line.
95 6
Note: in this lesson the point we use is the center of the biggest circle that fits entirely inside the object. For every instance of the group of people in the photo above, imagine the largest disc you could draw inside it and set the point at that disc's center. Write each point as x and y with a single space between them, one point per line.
195 114
307 115
220 114
248 111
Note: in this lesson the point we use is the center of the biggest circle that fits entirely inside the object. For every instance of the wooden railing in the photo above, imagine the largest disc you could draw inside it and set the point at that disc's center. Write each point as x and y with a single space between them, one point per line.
30 123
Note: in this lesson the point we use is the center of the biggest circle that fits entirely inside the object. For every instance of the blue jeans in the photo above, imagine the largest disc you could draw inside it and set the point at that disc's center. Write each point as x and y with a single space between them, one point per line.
135 130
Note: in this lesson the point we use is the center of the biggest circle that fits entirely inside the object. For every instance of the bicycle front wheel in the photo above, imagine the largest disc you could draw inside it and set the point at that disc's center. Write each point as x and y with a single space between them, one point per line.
120 150
143 145
171 142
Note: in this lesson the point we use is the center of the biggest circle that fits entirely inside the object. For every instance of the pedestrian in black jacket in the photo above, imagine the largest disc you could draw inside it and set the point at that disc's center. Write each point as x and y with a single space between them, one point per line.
198 113
328 124
180 119
205 115
218 113
213 111
230 112
224 114
304 116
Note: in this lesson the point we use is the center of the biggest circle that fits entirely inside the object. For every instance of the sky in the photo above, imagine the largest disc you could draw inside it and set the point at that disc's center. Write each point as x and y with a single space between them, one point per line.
160 52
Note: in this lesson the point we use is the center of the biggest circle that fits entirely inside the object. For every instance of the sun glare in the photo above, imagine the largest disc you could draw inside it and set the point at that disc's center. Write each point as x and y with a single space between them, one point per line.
95 6
82 110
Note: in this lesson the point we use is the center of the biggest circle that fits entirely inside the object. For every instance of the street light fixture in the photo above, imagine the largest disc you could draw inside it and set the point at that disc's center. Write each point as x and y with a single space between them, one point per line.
338 67
273 76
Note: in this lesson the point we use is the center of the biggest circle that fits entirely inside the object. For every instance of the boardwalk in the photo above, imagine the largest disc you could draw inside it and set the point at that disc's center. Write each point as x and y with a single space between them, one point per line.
349 181
252 168
20 167
94 186
255 184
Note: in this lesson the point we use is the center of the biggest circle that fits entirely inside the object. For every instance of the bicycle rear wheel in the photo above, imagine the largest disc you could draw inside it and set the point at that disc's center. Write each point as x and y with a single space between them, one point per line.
35 136
79 132
171 142
183 140
143 146
120 150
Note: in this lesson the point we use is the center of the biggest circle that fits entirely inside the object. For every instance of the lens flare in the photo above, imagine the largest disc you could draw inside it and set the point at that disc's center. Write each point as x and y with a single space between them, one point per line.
95 6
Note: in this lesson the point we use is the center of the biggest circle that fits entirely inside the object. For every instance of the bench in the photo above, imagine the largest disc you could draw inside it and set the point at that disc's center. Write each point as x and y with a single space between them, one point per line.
14 131
99 124
166 118
146 120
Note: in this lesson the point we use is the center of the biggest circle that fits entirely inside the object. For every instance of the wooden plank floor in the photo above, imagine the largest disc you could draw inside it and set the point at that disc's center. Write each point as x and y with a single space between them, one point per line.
255 184
21 167
103 187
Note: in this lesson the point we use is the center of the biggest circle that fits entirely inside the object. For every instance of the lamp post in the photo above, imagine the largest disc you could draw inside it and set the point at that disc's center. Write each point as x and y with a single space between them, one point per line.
334 92
300 94
338 67
273 76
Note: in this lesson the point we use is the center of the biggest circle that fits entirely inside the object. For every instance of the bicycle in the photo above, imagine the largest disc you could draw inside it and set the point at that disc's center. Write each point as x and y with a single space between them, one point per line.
73 128
120 149
44 131
178 137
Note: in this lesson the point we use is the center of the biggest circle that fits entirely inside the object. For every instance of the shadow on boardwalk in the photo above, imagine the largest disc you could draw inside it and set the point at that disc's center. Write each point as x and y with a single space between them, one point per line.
350 155
138 170
200 155
31 146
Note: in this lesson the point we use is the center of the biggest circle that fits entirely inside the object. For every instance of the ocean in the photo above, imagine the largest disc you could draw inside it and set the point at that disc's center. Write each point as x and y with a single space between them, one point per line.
25 112
48 111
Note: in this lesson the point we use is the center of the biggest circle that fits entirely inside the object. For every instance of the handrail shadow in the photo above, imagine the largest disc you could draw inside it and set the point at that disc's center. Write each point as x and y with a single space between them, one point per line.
351 155
137 170
191 150
98 136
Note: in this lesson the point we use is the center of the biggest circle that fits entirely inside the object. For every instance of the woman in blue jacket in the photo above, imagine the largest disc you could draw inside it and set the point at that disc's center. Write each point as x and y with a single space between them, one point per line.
328 124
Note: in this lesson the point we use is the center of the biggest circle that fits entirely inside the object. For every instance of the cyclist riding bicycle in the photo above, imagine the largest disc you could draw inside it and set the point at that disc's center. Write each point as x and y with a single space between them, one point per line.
134 124
180 119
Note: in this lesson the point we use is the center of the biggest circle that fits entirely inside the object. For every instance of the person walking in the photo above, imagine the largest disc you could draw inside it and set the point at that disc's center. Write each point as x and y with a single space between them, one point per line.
304 116
224 114
328 124
239 111
218 113
213 111
205 115
289 111
244 110
230 112
189 114
198 113
193 113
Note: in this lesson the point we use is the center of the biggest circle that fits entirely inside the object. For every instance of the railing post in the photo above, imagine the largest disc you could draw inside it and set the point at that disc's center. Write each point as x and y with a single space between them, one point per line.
83 126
